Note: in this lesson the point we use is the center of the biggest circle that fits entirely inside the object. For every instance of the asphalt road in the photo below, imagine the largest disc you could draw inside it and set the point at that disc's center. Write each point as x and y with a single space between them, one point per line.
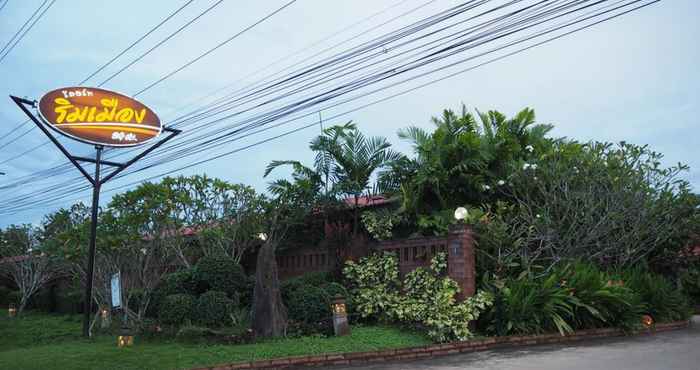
675 350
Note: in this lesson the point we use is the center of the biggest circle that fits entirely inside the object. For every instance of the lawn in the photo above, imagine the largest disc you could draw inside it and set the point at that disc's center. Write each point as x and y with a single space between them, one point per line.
40 341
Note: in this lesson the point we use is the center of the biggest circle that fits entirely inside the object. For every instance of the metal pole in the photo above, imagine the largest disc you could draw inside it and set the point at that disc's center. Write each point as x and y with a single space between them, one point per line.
93 240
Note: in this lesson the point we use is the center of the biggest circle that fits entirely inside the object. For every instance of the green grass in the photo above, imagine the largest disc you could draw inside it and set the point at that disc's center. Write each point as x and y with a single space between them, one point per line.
39 341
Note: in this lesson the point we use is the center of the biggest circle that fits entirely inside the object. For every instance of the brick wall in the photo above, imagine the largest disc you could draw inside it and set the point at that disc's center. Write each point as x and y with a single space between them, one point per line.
412 253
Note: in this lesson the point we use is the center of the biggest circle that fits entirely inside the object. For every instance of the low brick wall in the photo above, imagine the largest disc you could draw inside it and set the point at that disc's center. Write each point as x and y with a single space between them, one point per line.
434 350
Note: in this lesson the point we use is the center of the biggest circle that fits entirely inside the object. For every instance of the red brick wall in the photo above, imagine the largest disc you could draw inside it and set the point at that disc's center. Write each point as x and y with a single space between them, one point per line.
412 253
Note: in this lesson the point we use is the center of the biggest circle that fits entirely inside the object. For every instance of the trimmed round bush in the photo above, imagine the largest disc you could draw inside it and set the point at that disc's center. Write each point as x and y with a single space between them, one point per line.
308 299
176 309
222 274
180 282
310 304
213 309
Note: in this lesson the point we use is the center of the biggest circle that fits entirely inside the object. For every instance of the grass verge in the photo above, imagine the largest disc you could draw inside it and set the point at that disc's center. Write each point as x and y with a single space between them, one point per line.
40 341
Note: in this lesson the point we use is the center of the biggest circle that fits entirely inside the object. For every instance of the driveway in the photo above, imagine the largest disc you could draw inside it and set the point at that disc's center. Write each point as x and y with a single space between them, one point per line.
675 350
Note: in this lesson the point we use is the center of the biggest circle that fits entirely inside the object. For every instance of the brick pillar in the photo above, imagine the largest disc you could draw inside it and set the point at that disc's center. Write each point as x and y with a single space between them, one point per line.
461 264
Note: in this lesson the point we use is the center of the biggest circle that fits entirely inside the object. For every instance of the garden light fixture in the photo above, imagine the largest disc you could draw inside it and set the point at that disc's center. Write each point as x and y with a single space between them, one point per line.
11 310
461 213
340 316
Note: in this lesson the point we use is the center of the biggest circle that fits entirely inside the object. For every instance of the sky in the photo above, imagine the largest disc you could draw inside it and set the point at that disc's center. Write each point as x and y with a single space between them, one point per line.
635 78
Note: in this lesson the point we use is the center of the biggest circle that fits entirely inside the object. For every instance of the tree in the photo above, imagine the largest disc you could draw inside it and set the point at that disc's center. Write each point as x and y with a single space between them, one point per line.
25 263
225 218
345 162
289 208
465 160
614 205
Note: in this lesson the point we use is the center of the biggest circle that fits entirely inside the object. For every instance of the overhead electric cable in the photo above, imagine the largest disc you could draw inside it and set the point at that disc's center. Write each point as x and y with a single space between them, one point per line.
178 10
159 44
456 48
213 49
24 33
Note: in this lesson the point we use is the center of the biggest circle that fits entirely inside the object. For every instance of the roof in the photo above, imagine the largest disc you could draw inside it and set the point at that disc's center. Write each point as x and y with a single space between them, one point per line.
367 201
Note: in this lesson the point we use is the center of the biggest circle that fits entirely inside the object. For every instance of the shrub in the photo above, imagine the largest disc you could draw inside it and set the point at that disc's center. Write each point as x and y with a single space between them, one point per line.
308 298
690 279
180 282
663 301
309 308
176 309
375 285
223 274
213 309
380 223
425 299
530 306
601 300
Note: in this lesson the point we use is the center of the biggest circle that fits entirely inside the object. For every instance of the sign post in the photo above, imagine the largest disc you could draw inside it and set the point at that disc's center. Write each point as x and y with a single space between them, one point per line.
101 118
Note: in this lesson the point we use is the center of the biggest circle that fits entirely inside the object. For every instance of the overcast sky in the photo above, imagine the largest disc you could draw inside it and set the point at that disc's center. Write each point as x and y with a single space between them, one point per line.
635 78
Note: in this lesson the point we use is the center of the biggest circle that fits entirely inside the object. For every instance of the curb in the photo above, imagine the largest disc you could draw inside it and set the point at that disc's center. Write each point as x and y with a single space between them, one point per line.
435 350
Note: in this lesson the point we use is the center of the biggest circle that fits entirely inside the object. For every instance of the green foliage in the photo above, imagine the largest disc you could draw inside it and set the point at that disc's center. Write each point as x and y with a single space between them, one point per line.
179 282
379 224
529 306
374 285
580 296
690 279
601 301
310 306
308 299
663 301
612 204
213 309
176 309
223 274
466 160
425 298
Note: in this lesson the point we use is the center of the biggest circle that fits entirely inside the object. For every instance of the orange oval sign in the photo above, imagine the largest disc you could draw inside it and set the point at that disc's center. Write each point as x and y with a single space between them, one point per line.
99 116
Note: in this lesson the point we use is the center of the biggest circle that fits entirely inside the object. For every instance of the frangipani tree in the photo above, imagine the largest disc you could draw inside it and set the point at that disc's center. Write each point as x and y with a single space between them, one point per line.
24 262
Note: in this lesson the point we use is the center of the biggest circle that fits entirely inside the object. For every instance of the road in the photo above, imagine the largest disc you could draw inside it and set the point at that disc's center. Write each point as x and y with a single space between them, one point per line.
675 350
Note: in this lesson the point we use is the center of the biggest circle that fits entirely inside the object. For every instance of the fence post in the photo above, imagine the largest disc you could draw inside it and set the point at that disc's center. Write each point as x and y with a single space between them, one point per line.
461 263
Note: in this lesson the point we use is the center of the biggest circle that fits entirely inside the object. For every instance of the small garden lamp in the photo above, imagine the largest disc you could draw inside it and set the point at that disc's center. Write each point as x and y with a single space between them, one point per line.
104 318
12 310
340 316
262 236
647 321
461 213
125 338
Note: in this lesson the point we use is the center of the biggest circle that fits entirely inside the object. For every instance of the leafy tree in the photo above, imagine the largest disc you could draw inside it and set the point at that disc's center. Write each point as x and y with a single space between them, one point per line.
226 218
614 205
345 162
25 263
465 160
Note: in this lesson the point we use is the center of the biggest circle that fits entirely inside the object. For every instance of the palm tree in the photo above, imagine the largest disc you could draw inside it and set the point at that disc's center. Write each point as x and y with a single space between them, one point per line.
344 164
463 153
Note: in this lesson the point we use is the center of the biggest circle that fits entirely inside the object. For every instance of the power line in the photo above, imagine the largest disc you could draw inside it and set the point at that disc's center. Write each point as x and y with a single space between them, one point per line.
111 61
23 26
7 52
136 42
214 48
3 4
159 44
271 118
66 166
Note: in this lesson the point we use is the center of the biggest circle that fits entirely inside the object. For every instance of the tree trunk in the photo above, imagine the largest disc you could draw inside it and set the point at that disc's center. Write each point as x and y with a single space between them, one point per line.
269 313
